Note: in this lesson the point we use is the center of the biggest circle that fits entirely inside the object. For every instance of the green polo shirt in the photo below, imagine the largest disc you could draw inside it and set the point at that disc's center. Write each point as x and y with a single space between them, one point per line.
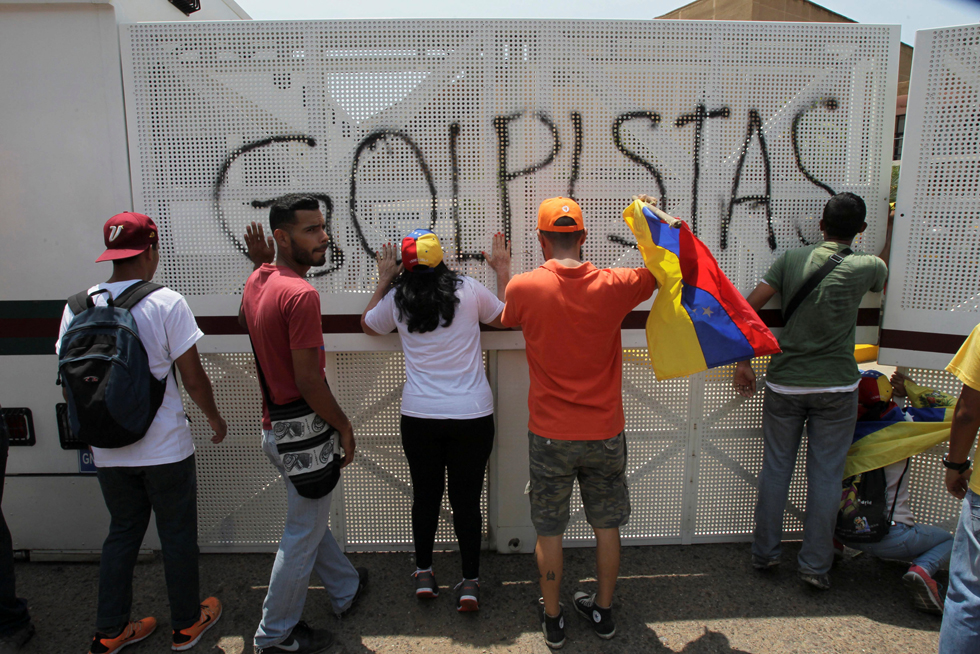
818 342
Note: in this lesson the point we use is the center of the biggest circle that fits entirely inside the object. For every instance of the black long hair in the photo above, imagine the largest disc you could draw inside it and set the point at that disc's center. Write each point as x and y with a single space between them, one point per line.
427 299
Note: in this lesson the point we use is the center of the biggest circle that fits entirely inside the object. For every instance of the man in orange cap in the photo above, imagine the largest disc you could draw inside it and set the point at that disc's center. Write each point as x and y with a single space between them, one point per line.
571 314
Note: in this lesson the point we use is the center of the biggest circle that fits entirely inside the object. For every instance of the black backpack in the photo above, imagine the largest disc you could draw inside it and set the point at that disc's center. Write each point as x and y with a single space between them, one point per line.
102 364
864 516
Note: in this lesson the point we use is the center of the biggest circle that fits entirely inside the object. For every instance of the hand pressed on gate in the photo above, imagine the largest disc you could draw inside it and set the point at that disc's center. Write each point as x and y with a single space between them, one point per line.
388 270
261 248
499 262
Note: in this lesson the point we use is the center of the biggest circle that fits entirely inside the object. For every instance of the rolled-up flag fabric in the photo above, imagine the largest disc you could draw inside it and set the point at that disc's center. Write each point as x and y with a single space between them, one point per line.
699 320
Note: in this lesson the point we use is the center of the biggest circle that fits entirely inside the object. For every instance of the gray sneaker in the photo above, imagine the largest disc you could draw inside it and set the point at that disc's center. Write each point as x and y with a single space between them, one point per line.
425 585
817 581
467 596
764 564
302 640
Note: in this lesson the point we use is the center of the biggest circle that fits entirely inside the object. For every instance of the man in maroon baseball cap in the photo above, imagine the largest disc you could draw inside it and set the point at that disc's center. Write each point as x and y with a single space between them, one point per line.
128 234
159 470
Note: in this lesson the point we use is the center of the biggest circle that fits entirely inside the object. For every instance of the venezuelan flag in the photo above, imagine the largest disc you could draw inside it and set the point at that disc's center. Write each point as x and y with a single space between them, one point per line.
699 320
903 432
880 443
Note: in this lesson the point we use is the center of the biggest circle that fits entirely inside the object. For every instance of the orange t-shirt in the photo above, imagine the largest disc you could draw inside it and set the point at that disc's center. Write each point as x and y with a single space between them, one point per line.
571 318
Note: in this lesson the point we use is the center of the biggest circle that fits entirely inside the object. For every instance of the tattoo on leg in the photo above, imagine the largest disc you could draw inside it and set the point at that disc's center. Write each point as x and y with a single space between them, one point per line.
550 575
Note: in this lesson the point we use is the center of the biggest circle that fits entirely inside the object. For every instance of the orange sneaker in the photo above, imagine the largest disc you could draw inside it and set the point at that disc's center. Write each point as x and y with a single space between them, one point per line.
134 632
187 638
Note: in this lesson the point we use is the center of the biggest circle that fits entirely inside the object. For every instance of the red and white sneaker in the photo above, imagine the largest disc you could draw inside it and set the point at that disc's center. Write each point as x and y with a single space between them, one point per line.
923 590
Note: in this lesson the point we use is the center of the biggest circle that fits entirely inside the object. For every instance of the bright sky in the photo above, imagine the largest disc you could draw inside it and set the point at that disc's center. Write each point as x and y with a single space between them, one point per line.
911 14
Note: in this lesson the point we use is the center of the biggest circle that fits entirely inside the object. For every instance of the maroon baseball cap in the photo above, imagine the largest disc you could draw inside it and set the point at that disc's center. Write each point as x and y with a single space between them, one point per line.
126 235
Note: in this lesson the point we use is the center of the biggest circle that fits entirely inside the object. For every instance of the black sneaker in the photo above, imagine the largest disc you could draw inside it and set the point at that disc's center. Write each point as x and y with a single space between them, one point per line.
302 640
362 581
14 640
425 584
601 619
553 628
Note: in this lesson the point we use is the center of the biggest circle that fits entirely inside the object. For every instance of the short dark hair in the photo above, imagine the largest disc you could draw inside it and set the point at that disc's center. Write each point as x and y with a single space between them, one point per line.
283 210
563 240
843 215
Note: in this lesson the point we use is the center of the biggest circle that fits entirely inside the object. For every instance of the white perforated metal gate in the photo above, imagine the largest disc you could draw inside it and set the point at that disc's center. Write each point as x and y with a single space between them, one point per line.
743 129
934 291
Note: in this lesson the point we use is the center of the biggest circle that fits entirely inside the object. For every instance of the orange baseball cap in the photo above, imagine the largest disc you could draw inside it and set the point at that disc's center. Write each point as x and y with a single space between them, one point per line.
554 208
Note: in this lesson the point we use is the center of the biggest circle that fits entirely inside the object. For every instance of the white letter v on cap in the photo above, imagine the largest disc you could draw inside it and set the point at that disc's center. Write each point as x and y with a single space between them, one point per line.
115 231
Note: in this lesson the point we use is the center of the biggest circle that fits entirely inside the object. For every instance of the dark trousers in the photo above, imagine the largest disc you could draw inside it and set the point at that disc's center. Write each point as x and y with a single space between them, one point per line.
461 448
13 610
170 490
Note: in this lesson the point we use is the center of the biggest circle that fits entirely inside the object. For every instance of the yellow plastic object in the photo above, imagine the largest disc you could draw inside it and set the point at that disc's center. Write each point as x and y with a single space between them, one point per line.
865 353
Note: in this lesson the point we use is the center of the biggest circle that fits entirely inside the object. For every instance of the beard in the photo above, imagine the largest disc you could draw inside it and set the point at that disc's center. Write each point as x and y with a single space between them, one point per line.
310 258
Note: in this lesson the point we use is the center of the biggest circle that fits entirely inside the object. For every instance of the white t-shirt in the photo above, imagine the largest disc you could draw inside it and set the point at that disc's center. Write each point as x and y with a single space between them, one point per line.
167 329
444 370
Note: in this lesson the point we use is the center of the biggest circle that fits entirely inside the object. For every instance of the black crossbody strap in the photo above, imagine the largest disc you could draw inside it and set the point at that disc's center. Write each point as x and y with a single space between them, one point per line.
258 368
812 282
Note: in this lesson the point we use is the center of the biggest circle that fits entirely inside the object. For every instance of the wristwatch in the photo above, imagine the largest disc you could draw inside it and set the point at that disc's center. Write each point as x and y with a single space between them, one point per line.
958 467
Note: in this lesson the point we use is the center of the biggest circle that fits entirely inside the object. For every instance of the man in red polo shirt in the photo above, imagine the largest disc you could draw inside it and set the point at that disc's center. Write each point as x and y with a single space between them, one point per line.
571 314
281 311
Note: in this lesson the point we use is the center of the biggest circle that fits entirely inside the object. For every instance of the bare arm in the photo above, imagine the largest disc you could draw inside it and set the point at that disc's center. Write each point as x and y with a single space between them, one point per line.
388 270
499 261
760 295
744 377
309 380
198 386
962 434
886 249
261 249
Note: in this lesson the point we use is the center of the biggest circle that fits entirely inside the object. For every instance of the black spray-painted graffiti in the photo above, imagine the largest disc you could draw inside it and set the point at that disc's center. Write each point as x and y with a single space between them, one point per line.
502 127
699 117
617 134
755 128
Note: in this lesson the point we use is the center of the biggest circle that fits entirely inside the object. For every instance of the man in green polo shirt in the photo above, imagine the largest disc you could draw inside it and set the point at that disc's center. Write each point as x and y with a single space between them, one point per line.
812 383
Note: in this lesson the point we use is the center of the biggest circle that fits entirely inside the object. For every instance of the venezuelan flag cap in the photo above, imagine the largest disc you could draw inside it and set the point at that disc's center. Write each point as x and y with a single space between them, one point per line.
874 387
554 208
421 251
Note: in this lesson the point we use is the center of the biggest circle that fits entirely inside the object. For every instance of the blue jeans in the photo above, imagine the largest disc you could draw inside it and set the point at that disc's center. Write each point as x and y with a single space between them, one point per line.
306 545
829 419
924 545
961 620
170 490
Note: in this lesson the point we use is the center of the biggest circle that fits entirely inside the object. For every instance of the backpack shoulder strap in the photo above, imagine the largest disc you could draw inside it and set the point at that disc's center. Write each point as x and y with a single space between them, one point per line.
812 282
898 487
128 298
79 302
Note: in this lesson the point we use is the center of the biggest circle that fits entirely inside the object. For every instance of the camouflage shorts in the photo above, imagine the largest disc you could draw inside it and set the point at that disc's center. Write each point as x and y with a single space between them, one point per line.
599 466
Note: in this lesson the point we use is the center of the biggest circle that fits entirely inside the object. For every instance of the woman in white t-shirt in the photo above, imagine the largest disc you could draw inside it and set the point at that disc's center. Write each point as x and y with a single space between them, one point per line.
447 405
